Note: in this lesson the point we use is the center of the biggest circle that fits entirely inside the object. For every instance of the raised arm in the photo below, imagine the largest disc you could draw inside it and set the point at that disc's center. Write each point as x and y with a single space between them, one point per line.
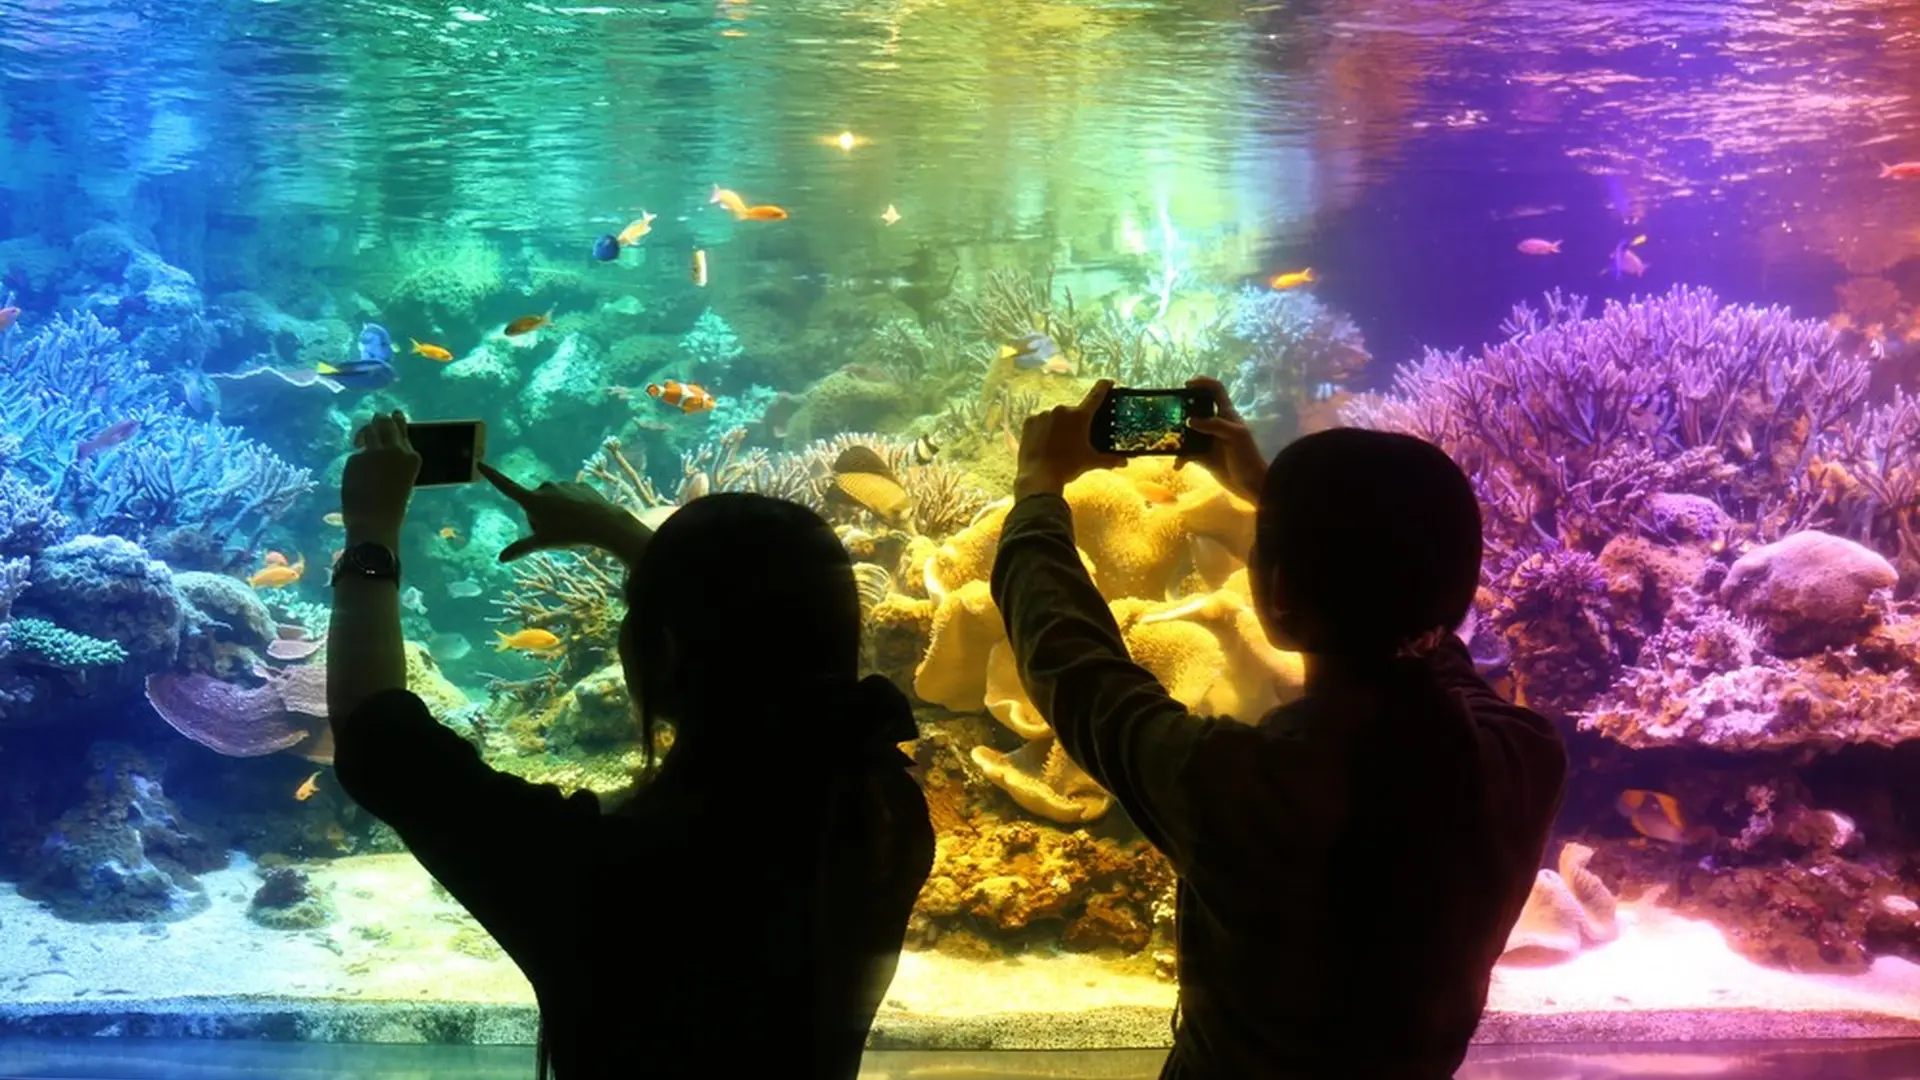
365 651
1112 716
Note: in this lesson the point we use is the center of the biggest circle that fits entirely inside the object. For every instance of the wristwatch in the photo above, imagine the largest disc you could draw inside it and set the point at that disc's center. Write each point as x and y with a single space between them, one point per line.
368 560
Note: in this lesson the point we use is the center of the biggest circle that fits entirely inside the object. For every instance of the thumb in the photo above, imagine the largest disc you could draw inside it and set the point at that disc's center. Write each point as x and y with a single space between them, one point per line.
520 548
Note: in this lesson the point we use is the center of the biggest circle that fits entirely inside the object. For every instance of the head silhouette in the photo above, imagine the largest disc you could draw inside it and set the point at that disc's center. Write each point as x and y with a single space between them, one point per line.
743 608
1366 540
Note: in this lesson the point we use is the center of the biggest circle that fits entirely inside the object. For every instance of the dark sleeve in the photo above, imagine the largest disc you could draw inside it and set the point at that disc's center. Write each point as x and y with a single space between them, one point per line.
502 846
1112 716
1525 748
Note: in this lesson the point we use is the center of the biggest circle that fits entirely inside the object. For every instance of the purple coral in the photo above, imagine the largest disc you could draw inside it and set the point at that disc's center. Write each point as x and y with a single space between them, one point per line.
1573 422
284 711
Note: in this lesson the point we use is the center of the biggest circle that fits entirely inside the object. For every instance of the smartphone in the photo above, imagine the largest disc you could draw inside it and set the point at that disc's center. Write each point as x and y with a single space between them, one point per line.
1135 423
450 450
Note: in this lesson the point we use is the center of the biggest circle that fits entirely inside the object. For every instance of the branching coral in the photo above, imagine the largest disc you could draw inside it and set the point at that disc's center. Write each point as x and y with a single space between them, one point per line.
100 433
1569 416
1297 351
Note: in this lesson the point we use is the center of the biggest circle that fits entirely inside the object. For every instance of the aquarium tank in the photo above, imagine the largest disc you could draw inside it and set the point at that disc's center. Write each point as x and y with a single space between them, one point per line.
1650 272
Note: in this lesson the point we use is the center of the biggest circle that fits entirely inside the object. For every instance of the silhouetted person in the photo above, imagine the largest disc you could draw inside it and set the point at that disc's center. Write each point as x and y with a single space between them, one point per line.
1350 864
742 915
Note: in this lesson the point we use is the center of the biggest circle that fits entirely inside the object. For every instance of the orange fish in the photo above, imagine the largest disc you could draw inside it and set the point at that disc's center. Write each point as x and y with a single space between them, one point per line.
431 352
639 227
527 641
308 788
1657 815
1533 245
449 533
729 199
527 324
7 317
278 575
699 270
1906 170
1293 279
273 558
763 213
687 397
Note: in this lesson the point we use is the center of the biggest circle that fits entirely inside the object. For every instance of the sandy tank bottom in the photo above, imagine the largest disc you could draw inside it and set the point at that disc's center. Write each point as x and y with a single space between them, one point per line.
401 962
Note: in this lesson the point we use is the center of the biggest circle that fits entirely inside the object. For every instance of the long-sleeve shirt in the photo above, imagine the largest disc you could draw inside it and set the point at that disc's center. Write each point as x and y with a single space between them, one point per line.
751 908
1348 867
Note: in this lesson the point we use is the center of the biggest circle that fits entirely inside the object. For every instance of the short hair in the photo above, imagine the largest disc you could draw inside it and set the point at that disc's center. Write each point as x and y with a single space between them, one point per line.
1375 538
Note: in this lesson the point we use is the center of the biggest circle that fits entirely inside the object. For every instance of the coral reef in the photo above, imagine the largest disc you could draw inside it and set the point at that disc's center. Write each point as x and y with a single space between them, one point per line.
1298 354
287 900
125 853
107 588
1704 429
58 647
102 435
285 709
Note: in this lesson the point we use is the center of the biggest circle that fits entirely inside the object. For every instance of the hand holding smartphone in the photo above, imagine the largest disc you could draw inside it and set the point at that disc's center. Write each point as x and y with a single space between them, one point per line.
1137 423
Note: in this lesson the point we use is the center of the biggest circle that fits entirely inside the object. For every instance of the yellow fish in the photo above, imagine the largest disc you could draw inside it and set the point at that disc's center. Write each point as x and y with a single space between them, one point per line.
528 640
638 228
308 788
1293 279
431 352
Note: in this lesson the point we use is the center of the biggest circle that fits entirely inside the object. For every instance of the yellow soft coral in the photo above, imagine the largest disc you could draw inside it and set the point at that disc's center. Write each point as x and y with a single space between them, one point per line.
966 627
967 555
1044 781
1134 539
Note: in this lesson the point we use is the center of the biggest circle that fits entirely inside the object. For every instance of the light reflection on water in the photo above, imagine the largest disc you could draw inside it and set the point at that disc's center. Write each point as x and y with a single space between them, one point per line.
983 121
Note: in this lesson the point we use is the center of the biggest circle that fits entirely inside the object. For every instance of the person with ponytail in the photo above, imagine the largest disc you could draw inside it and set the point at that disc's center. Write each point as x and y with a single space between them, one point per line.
1350 864
743 912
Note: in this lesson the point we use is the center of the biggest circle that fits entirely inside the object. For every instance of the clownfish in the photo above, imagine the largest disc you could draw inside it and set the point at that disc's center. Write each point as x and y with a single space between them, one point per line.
687 397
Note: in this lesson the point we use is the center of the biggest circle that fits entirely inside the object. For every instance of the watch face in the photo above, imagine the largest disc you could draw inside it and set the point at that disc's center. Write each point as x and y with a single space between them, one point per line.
372 560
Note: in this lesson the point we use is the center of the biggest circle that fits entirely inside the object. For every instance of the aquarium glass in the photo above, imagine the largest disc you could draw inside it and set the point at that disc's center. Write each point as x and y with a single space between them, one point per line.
1649 271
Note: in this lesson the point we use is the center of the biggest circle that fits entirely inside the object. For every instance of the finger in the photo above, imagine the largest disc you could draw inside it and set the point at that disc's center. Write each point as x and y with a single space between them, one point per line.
1095 395
1214 425
400 431
380 432
504 484
360 438
1222 404
520 548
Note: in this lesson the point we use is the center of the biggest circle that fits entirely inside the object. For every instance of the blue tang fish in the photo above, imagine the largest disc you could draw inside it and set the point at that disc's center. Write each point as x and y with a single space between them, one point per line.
1037 350
607 248
374 367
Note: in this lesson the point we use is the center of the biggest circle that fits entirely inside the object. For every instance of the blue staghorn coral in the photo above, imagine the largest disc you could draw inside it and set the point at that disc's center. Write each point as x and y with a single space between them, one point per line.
86 421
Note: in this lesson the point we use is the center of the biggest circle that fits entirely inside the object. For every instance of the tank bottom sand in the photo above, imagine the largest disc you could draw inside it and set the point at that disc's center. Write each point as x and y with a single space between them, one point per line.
402 963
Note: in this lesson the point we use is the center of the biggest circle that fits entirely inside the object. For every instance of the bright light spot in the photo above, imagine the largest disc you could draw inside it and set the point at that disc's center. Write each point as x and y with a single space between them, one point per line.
845 140
464 15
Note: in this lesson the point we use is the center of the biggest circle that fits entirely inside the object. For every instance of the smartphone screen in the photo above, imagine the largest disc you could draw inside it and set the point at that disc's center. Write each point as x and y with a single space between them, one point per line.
450 450
1140 422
